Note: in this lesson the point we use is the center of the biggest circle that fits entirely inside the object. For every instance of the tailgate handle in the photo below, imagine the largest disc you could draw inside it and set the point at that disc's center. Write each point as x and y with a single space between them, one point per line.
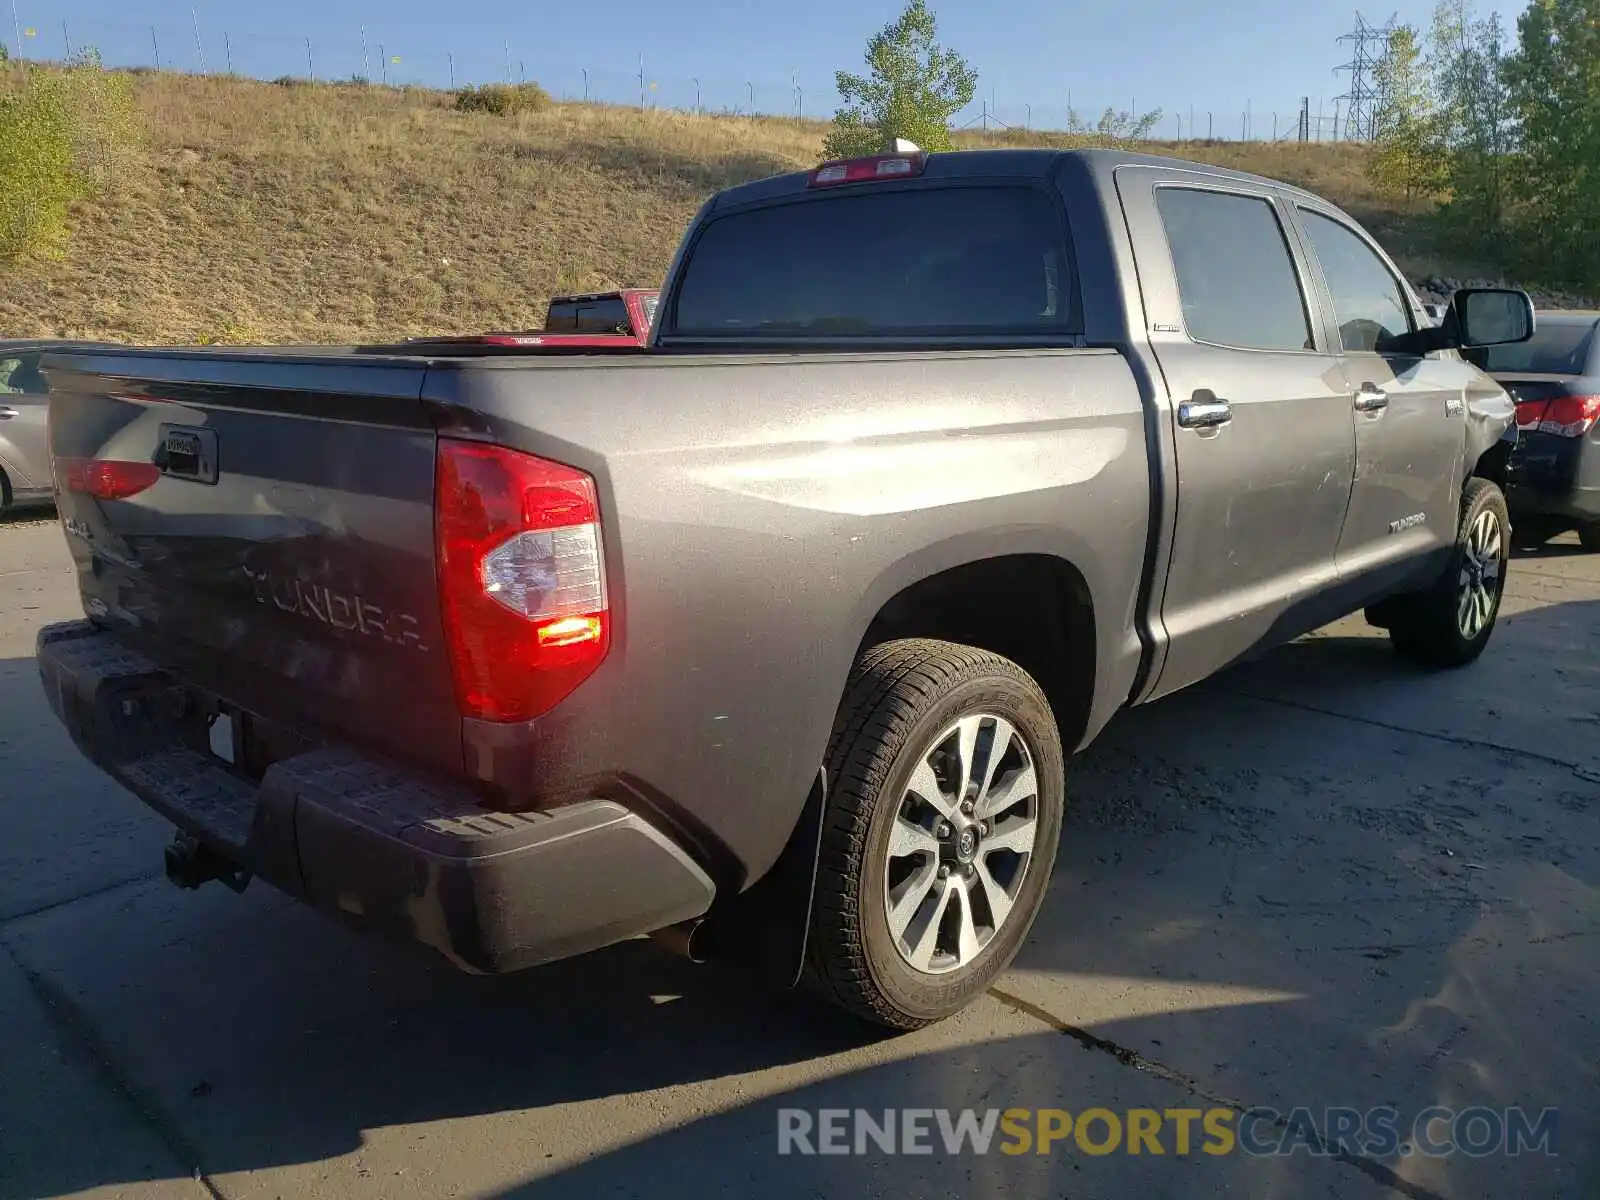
187 452
7 412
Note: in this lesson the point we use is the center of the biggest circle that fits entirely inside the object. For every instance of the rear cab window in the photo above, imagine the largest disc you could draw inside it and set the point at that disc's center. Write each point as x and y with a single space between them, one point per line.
922 261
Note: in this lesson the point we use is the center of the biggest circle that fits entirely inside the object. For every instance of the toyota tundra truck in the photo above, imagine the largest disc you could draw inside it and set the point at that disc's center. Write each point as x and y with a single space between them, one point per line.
772 638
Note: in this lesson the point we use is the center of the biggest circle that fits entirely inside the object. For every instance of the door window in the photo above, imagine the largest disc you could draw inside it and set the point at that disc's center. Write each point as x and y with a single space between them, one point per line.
1368 301
1236 279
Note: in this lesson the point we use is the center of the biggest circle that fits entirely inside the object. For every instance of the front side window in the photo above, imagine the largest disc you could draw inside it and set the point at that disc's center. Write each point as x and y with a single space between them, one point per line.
1236 279
1368 302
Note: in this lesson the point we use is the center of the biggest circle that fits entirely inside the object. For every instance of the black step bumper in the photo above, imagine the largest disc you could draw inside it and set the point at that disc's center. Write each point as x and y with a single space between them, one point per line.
377 843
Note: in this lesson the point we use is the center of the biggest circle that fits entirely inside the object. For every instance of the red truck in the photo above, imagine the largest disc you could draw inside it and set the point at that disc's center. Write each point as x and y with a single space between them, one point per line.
596 320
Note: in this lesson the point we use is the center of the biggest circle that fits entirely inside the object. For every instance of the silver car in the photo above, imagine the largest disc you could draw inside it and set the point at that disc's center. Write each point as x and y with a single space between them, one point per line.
24 441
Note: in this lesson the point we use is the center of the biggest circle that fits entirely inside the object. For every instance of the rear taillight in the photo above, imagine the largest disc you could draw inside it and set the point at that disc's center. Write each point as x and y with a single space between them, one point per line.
521 579
1564 416
104 478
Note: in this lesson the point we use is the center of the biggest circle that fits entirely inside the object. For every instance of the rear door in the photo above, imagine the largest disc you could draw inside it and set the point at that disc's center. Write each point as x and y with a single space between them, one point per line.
1265 452
1407 411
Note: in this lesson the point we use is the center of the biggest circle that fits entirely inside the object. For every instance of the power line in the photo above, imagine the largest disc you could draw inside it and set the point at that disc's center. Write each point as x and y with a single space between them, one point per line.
1368 44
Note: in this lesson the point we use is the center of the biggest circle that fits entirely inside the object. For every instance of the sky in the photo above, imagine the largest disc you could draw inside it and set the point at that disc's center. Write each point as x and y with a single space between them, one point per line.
1031 56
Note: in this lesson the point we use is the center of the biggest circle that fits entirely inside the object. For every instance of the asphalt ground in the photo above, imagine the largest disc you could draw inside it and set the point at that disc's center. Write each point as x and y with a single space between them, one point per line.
1324 880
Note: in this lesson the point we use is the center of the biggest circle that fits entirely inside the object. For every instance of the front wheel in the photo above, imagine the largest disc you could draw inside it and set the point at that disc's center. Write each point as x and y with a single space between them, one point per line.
1450 623
944 809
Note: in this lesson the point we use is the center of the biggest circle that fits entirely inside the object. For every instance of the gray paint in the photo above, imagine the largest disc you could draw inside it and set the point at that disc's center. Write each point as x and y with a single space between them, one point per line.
760 507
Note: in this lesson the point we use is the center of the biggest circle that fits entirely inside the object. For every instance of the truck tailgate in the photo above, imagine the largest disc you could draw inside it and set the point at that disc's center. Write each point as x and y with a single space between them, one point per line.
272 543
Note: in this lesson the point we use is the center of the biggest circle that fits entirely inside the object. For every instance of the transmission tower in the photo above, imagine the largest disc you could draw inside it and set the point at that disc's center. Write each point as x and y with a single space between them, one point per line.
1368 44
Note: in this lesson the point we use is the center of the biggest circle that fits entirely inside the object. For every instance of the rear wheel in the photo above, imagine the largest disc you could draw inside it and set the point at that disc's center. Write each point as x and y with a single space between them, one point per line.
1589 536
1450 623
944 809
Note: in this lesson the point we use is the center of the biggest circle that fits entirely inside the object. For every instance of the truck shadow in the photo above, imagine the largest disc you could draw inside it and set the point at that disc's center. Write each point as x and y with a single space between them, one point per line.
1286 886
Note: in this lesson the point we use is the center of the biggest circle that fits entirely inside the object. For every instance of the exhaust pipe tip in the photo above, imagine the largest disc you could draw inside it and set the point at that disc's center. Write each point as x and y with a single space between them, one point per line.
687 940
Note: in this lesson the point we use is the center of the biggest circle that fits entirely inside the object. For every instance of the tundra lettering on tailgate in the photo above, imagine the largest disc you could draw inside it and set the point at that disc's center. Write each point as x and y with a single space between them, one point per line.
341 610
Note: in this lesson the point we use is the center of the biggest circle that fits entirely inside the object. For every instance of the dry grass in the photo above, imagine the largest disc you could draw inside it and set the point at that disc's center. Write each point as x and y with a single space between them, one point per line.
345 213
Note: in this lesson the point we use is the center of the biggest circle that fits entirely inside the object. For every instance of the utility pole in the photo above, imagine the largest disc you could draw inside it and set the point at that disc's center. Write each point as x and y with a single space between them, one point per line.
199 46
67 37
450 59
641 81
227 51
750 88
155 47
508 62
366 63
311 69
383 64
16 26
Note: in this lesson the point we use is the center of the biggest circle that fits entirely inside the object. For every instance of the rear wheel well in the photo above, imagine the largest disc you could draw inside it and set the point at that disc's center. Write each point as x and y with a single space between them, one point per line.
1034 609
5 491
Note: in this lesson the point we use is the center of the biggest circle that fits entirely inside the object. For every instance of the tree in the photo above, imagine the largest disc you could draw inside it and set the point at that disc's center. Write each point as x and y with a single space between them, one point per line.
1406 154
913 89
1114 128
1474 119
1554 83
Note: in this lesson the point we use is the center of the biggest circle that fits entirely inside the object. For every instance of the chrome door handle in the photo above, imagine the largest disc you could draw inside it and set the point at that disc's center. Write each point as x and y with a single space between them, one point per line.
1371 399
7 412
1204 414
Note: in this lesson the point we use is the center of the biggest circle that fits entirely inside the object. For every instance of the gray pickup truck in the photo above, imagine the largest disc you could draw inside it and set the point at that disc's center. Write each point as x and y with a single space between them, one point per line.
774 637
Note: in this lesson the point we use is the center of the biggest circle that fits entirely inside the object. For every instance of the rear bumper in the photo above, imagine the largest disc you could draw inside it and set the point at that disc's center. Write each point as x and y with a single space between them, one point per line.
1555 477
377 843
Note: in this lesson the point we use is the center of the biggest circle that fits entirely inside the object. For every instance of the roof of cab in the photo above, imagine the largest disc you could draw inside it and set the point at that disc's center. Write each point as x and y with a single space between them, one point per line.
1008 163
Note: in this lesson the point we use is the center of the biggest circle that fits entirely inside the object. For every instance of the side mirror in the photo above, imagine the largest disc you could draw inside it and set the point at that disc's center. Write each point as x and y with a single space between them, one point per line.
1489 317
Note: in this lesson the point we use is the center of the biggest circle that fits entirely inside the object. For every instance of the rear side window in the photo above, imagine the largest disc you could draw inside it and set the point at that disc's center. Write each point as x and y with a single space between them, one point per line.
1236 279
1368 302
1567 348
22 375
976 260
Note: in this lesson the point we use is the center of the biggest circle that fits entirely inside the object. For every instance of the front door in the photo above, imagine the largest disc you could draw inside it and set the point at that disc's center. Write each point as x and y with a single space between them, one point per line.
1264 447
1408 412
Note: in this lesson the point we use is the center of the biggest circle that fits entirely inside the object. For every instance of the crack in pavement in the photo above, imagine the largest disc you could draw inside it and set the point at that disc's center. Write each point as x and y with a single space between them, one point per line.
1370 1167
74 1024
52 905
1453 739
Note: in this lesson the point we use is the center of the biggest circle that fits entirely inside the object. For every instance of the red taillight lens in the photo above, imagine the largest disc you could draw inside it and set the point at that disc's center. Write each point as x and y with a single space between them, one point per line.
1564 416
862 170
521 579
103 478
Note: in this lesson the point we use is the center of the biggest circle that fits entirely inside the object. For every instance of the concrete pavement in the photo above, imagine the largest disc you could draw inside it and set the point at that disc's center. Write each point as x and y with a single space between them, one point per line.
1324 879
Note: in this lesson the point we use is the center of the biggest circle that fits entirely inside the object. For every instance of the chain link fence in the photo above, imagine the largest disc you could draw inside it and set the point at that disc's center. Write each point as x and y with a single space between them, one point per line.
202 48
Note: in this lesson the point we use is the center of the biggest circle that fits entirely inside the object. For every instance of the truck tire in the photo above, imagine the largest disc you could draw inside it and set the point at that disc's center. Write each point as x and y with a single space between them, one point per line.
1589 536
1450 623
943 812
